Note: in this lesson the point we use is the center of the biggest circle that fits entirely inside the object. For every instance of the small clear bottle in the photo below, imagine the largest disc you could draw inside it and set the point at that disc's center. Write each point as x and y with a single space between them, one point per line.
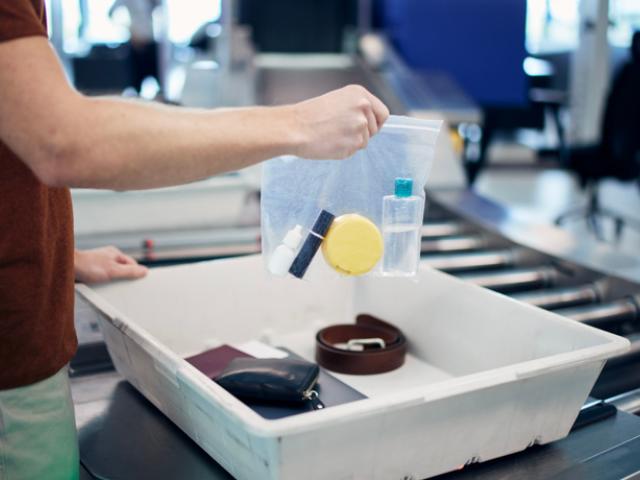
402 215
282 258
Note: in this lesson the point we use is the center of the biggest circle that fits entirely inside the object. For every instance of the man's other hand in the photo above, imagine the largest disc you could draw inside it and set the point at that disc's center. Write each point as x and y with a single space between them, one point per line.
105 264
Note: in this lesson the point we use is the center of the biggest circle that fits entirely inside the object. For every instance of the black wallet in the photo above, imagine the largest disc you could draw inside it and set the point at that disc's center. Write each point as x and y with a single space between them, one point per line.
272 380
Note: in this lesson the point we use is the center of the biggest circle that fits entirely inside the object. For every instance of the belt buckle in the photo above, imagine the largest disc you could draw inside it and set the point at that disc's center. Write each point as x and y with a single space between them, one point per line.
361 344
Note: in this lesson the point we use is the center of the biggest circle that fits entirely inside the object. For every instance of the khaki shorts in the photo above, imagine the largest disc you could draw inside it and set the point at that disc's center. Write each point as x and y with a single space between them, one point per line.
38 437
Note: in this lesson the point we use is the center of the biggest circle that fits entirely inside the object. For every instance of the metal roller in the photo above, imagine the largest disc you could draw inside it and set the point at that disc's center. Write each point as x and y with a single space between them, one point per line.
621 373
470 261
512 280
454 244
616 312
627 402
561 297
442 229
631 356
615 380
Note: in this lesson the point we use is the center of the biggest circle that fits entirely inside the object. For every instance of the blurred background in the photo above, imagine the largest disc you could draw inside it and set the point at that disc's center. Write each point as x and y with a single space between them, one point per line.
522 84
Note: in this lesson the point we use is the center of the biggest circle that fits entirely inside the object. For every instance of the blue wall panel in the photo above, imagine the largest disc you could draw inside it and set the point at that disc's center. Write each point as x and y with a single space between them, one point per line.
480 42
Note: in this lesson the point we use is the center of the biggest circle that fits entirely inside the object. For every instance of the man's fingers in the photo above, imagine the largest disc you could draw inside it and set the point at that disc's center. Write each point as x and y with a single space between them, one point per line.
380 110
125 259
372 122
120 270
364 136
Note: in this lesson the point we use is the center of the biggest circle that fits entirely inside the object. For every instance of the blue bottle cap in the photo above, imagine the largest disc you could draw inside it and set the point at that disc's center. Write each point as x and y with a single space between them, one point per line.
404 187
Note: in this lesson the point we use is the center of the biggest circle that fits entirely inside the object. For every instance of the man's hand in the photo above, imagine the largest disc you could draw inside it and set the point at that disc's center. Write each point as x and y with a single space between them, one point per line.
339 123
105 264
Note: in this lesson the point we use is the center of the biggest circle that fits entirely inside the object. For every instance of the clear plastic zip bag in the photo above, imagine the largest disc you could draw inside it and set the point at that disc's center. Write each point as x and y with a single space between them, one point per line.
361 215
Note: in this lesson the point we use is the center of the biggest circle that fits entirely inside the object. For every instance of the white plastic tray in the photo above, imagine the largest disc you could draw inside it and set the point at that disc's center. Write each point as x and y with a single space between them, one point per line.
486 375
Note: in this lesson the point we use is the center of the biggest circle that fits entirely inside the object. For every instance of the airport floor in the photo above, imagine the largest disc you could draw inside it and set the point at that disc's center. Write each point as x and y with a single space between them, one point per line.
544 194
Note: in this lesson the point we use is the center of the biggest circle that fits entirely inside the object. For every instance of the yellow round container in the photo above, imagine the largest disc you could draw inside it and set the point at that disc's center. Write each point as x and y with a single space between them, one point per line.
353 245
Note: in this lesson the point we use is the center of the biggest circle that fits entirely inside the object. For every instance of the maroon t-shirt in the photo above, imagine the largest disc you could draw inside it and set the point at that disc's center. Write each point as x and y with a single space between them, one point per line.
37 336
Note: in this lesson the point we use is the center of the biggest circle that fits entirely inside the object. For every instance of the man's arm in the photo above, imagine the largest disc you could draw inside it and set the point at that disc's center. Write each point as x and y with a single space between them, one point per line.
71 140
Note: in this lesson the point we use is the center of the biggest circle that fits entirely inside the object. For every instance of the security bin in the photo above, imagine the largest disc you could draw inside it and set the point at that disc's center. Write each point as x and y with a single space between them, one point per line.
485 376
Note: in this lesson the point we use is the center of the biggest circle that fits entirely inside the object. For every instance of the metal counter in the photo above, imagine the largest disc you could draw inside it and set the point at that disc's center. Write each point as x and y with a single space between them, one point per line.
123 436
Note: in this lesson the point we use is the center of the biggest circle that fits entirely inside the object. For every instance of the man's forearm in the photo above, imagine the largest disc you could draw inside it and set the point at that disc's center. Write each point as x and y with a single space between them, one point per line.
132 145
68 139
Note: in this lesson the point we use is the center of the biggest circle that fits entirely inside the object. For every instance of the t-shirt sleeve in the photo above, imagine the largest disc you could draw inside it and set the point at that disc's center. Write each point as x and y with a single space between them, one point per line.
20 18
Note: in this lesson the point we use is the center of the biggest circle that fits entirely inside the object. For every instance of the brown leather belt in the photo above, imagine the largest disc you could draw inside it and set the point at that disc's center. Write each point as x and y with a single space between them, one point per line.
366 347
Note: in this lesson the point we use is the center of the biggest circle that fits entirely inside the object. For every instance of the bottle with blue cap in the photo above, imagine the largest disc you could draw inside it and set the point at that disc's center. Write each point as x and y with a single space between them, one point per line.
402 215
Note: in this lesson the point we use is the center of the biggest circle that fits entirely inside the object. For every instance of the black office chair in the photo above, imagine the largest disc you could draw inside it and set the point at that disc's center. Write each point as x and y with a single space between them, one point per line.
618 153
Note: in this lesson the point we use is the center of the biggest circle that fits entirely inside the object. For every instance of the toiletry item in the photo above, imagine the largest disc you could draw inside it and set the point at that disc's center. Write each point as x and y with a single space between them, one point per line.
353 245
402 215
311 244
283 256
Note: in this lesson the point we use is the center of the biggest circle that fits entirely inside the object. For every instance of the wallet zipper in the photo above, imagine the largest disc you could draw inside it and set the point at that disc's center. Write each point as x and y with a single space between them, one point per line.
311 395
